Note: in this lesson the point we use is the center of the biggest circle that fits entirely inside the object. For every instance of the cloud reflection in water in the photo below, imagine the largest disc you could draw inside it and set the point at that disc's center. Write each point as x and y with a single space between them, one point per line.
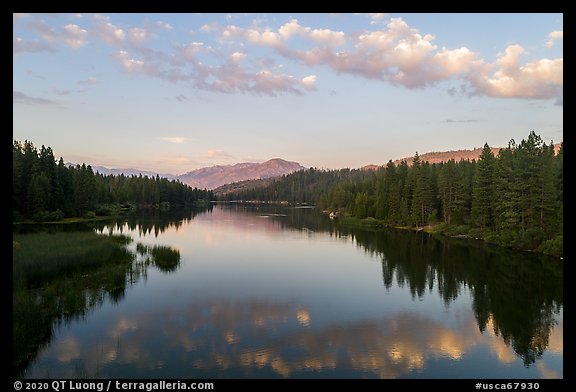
256 338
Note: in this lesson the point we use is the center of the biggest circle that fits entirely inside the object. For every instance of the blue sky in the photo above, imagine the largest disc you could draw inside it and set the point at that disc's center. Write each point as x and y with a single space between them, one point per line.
175 92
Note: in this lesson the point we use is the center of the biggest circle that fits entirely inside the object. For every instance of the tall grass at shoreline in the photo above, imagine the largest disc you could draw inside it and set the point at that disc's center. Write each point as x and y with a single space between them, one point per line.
42 257
58 277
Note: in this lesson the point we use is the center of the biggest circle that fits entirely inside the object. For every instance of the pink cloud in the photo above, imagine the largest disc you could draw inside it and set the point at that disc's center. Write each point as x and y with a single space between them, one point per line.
391 51
21 45
539 79
553 36
71 35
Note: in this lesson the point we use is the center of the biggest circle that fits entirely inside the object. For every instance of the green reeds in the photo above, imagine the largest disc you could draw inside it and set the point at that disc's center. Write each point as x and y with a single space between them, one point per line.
165 258
42 257
58 277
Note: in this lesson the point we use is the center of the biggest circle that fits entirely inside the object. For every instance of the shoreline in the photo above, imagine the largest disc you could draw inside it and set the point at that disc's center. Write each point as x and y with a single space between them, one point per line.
374 224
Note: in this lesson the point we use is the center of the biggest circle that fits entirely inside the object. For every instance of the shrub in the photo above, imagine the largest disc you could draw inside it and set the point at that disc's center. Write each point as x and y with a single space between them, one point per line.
532 238
40 216
57 215
476 233
554 247
104 210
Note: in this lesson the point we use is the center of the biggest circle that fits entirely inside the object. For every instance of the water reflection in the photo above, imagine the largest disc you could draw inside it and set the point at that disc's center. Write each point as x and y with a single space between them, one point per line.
516 295
151 222
255 338
503 305
38 312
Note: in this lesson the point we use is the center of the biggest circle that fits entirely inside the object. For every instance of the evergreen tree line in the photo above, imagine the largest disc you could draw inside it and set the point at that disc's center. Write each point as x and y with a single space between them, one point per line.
515 198
301 187
43 189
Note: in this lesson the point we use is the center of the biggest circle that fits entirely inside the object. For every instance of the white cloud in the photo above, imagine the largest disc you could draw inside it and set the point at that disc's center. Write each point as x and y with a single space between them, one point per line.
129 64
377 16
163 26
229 33
137 36
132 65
326 36
233 76
309 82
74 35
108 32
176 139
453 62
265 82
396 53
267 37
21 45
553 36
71 34
391 51
289 29
540 79
208 28
237 56
189 51
401 55
508 61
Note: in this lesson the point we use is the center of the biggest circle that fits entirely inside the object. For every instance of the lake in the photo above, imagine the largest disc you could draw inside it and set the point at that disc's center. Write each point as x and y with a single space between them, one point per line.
282 292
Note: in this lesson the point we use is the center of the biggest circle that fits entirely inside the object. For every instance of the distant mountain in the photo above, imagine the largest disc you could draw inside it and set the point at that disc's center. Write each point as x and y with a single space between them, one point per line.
130 172
444 156
215 176
370 167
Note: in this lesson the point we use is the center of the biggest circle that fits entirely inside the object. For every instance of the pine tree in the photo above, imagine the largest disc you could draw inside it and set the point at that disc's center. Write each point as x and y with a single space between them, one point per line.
361 205
507 191
559 187
483 190
450 189
38 193
422 196
84 189
547 194
47 165
391 195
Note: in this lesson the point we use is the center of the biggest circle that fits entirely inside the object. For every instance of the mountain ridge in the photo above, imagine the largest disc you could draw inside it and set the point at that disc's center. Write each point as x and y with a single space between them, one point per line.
211 177
129 171
444 156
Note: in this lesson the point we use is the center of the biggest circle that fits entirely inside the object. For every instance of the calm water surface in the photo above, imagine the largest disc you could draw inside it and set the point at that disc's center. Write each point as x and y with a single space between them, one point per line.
286 293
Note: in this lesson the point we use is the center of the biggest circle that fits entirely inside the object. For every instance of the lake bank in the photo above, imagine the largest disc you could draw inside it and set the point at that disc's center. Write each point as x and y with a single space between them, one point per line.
551 248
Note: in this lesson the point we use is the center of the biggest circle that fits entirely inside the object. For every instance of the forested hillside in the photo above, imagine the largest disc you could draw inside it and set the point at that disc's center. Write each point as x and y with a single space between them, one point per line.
46 190
514 198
